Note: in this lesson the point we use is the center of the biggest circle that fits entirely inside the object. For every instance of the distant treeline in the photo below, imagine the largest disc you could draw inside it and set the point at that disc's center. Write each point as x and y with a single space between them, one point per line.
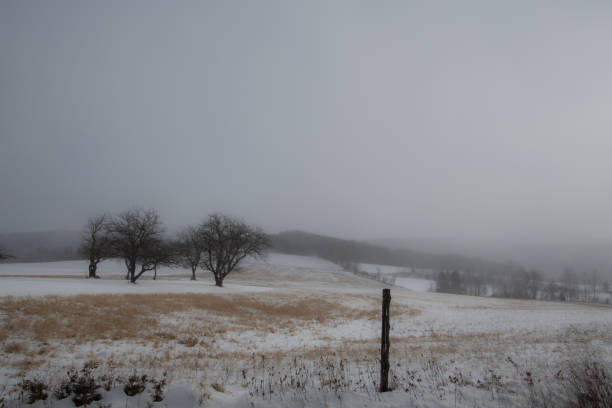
41 246
340 250
527 284
456 274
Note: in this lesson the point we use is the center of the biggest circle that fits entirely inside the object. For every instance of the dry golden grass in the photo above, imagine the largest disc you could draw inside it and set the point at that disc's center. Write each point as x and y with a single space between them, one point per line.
196 323
184 330
14 347
217 387
141 317
27 363
528 304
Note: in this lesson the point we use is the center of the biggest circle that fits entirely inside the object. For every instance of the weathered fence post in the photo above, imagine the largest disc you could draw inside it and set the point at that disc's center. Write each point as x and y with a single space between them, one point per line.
384 342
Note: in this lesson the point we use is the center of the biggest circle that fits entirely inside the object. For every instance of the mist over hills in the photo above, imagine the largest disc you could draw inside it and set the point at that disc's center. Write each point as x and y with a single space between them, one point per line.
339 250
433 253
61 245
549 257
42 245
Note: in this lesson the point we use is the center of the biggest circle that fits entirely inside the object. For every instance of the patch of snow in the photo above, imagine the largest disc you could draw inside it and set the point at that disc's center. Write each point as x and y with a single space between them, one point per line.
381 269
294 261
107 268
57 286
415 284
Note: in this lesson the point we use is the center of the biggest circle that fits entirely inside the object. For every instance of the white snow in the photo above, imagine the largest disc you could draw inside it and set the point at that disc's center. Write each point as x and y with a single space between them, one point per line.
294 261
116 267
415 284
470 335
381 269
19 286
107 268
392 270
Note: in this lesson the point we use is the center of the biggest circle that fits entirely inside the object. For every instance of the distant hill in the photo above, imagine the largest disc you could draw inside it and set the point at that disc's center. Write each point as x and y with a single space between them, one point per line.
63 245
551 257
339 250
41 246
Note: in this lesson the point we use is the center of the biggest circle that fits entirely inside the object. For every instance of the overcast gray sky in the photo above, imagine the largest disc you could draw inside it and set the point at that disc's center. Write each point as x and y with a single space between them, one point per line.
371 119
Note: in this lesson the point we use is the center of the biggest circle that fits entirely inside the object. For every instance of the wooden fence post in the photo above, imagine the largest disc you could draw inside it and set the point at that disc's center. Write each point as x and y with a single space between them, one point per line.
384 342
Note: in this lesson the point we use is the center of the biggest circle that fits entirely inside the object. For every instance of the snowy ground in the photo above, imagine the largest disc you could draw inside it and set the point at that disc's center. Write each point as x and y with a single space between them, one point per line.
416 284
394 270
285 331
23 286
415 279
107 269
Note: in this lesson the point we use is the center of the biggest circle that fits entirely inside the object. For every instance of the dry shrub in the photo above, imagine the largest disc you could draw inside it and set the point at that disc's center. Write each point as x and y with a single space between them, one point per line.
166 335
83 386
217 387
157 391
590 385
14 347
34 389
135 384
189 341
581 382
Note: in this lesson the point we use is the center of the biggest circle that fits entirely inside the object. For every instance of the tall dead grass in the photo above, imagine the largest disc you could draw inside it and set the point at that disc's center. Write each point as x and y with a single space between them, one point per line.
84 318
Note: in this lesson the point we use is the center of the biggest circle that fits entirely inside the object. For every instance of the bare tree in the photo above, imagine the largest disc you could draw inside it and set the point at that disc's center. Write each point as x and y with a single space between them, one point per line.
96 243
191 245
163 253
4 255
569 281
228 241
135 237
594 283
534 283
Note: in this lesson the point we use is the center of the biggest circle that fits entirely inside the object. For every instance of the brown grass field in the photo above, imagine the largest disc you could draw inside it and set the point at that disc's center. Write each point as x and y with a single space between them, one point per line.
212 340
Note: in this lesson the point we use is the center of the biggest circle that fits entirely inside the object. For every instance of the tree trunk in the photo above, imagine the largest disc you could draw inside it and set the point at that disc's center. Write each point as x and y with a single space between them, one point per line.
219 281
193 271
92 269
132 273
155 273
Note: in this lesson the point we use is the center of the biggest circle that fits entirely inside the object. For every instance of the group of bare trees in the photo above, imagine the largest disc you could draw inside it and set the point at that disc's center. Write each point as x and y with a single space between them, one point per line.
521 284
136 236
580 287
525 284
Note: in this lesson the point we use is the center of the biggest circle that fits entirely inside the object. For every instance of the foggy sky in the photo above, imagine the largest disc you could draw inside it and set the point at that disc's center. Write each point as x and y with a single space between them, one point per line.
475 120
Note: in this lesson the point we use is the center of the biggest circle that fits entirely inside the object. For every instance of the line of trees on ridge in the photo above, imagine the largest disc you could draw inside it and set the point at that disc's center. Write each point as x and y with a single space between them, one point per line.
524 284
217 245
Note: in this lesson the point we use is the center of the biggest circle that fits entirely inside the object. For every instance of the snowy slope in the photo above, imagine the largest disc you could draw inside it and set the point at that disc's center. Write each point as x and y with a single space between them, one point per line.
21 286
435 338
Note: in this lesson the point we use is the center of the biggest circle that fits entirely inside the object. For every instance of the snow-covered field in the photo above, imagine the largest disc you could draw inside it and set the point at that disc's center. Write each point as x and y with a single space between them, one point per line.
418 280
394 270
284 331
23 286
111 268
416 284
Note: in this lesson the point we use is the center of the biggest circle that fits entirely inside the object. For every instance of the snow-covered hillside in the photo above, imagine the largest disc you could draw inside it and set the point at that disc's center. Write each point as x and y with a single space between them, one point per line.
285 331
